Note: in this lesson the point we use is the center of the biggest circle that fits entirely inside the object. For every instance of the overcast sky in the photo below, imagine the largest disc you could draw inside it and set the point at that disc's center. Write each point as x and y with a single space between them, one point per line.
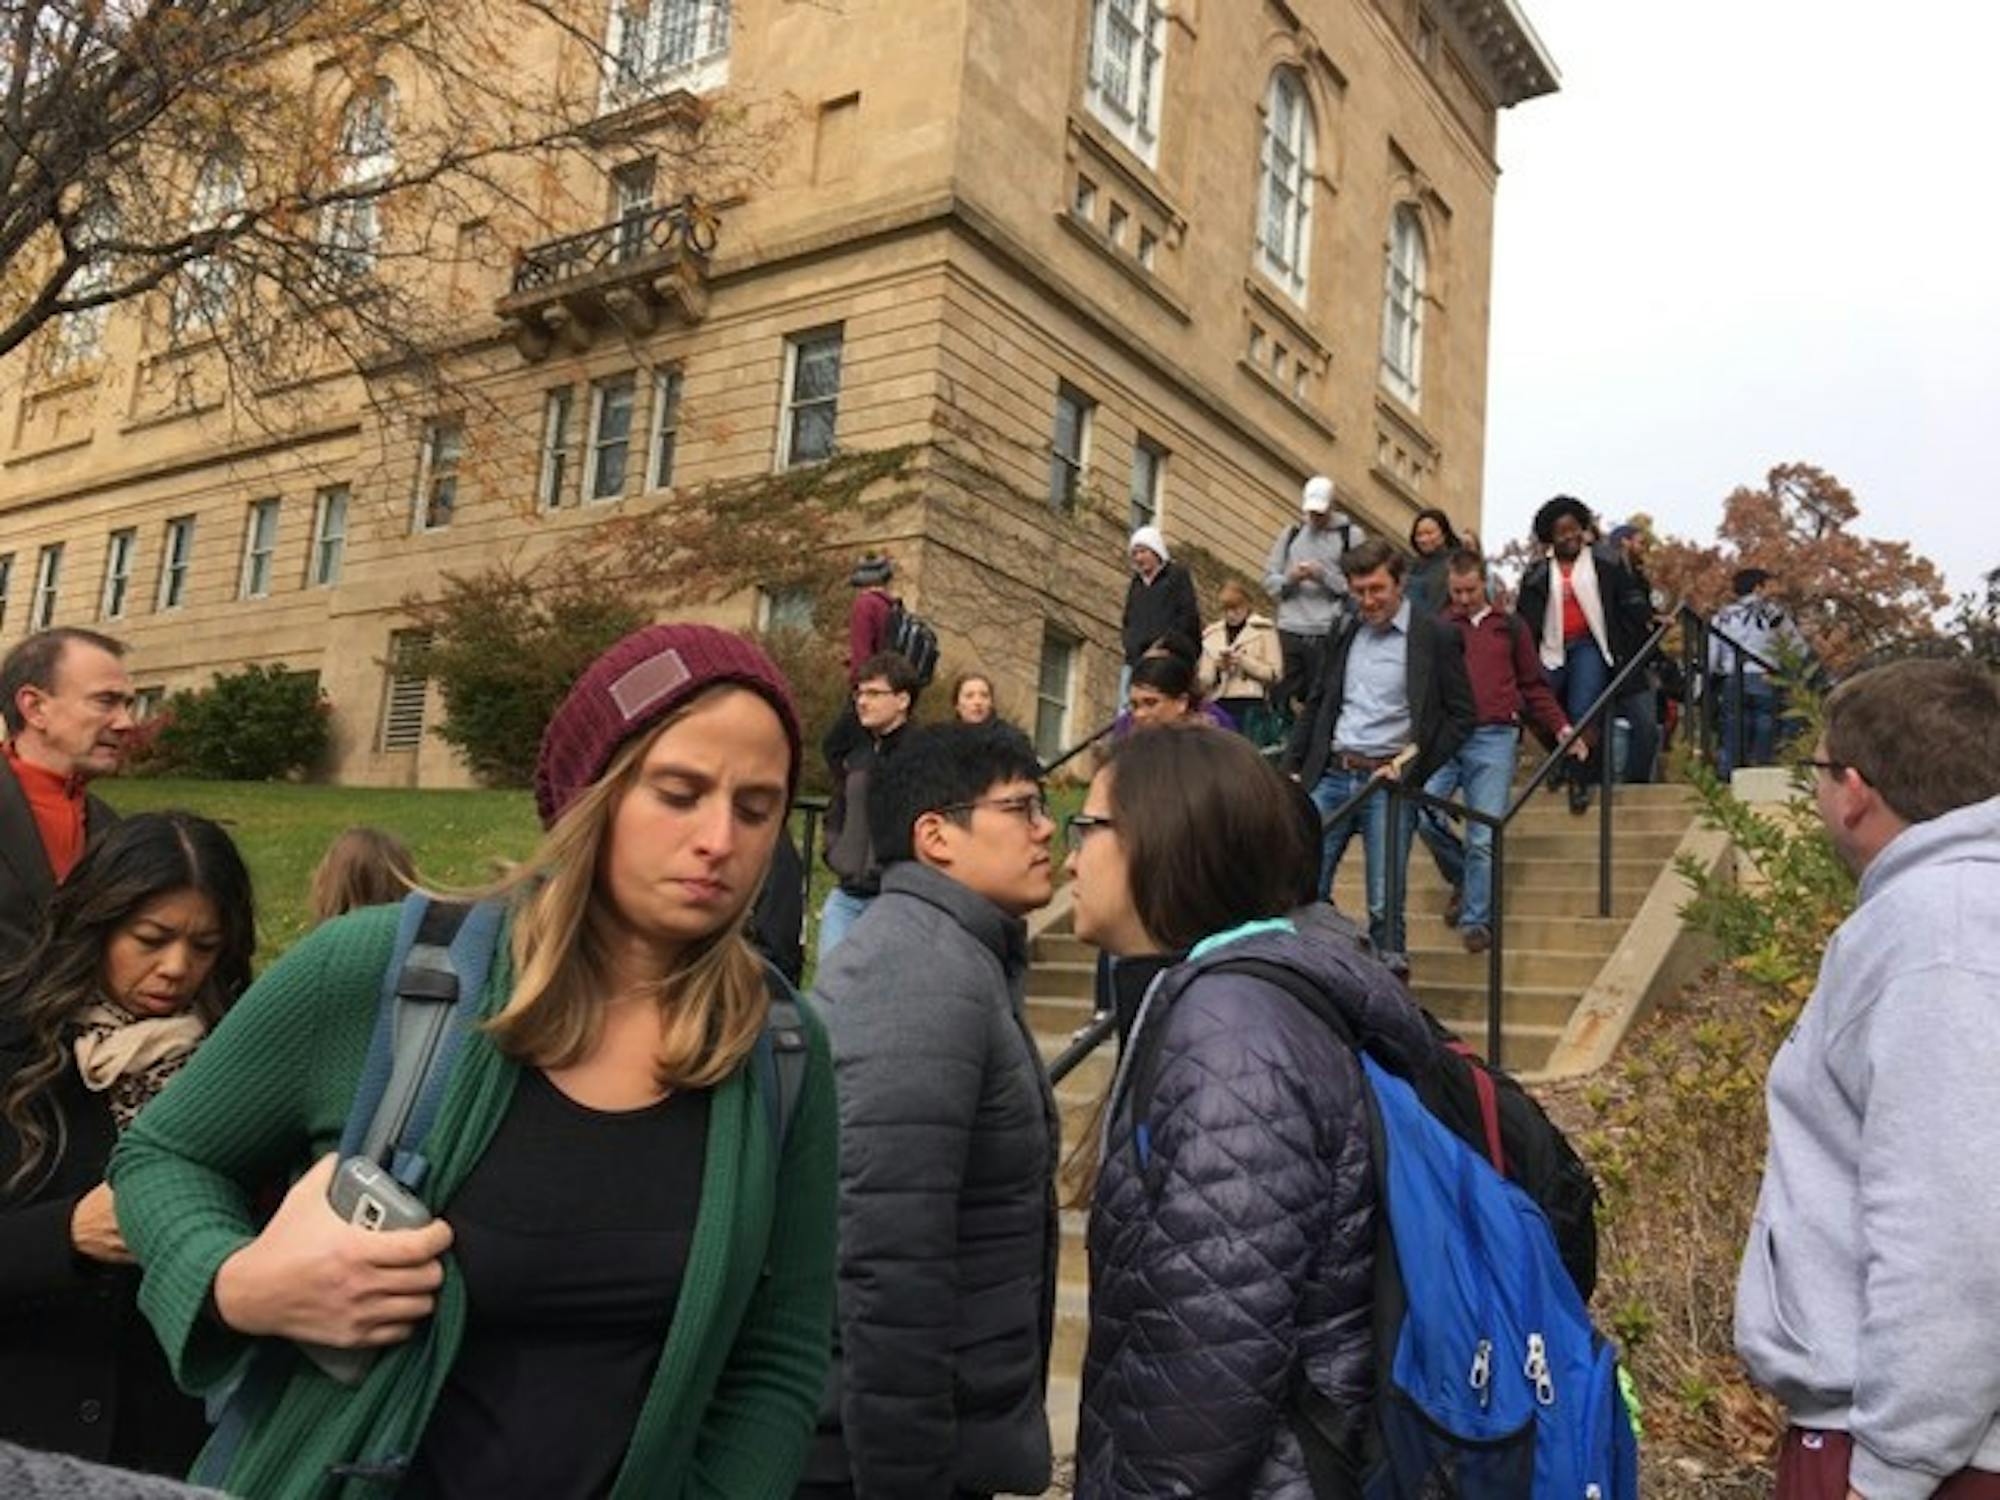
1747 232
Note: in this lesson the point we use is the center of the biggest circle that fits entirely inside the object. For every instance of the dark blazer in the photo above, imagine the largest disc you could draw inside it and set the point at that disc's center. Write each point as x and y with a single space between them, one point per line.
80 1368
1166 606
1442 712
1628 605
26 878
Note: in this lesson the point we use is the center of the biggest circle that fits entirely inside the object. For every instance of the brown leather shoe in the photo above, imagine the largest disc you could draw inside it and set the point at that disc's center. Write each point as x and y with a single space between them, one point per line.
1476 939
1454 906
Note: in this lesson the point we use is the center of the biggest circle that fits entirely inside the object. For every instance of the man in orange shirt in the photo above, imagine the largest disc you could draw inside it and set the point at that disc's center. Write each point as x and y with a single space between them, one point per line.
66 699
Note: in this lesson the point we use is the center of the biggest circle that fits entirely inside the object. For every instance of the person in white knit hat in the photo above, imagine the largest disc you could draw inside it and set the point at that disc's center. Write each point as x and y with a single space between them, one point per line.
1303 575
1160 606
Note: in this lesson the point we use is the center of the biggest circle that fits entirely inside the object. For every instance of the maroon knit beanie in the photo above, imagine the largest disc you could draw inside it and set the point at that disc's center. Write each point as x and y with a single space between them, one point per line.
636 684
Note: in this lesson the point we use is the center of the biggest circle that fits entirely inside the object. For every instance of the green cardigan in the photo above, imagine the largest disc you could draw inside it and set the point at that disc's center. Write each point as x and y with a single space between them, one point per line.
731 1406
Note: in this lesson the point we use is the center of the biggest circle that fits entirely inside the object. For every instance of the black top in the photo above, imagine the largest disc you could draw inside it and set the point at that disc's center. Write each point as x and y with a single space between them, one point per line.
80 1369
573 1232
1165 607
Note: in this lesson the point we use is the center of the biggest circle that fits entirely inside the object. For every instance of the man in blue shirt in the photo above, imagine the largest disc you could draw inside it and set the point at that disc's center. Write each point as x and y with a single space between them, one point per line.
1391 701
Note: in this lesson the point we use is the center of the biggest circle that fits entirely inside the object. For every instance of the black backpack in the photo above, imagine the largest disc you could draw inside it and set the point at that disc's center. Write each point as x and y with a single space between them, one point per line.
912 638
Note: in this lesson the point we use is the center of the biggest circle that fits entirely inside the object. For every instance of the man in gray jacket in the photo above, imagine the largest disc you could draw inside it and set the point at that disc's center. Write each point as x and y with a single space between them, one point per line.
1869 1298
1303 575
948 1137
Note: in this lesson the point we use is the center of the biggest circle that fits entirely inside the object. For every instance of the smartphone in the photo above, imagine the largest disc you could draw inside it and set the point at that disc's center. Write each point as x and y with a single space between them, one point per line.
364 1193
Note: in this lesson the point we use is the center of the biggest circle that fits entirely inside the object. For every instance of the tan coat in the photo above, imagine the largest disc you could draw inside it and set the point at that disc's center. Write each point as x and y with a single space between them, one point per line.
1257 662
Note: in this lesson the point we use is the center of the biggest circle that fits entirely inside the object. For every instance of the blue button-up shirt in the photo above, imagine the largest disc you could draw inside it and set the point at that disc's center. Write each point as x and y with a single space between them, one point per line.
1375 712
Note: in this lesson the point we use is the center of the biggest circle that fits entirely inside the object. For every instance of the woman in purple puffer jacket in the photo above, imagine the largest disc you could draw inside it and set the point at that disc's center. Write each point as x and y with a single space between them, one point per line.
1233 1217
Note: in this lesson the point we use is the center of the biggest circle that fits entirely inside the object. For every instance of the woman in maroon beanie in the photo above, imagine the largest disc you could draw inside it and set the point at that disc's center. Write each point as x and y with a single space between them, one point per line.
627 1286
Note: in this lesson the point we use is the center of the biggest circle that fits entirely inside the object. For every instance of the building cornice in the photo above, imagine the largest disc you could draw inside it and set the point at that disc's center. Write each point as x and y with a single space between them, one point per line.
1497 33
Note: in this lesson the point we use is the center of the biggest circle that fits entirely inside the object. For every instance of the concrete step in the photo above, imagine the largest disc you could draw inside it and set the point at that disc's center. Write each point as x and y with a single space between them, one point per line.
1065 1395
1655 846
1527 1047
1064 976
1590 934
1551 814
1056 1015
1464 1004
1427 890
1565 969
1062 948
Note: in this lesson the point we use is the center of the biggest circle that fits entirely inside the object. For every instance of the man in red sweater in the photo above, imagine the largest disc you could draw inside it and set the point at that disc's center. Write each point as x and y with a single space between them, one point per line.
66 699
1506 676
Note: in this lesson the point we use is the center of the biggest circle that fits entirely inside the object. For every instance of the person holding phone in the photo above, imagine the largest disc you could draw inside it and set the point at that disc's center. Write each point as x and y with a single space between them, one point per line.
638 1292
139 954
1240 664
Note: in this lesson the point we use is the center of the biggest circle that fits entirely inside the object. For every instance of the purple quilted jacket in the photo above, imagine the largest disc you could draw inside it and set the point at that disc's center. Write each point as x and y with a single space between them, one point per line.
1240 1255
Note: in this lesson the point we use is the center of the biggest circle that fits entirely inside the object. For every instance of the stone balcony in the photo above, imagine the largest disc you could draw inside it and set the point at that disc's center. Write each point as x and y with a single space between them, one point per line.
635 274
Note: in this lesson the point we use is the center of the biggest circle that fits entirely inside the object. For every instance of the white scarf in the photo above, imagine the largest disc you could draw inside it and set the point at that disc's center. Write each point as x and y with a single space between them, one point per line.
1583 583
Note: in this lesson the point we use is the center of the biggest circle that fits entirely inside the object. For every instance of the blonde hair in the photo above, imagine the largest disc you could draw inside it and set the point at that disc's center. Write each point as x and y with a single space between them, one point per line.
712 1006
363 867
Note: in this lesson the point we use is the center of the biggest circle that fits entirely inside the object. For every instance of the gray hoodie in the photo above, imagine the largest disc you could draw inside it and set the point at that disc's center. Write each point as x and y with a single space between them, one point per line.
1310 606
1869 1296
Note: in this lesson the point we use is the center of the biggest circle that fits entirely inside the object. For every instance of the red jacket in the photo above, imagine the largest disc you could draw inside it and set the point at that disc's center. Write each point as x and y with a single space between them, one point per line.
1506 670
867 629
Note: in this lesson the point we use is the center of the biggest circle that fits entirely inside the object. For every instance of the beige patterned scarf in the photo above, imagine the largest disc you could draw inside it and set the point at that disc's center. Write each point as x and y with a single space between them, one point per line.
129 1058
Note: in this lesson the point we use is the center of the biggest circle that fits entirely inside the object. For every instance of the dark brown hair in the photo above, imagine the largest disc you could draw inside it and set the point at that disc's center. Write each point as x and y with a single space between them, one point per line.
1209 831
1366 557
1925 733
33 663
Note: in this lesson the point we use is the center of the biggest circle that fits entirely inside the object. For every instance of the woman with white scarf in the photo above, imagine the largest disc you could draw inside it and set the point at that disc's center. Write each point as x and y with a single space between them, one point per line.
141 951
1589 614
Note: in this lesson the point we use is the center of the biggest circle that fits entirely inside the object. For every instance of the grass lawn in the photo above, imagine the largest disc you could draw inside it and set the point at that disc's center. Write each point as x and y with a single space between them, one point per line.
459 838
455 836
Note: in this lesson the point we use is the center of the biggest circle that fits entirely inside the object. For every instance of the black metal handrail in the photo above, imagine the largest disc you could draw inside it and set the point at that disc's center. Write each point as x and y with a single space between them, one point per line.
686 225
1066 756
1085 1040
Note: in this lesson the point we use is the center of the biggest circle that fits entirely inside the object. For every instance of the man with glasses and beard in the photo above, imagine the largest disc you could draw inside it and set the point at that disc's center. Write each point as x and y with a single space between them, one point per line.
948 1137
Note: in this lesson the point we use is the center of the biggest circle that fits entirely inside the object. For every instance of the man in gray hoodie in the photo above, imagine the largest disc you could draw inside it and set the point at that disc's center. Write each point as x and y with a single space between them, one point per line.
948 1138
1869 1297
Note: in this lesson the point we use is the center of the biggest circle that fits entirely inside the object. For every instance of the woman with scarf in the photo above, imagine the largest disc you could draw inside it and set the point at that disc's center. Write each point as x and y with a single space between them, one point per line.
140 952
1590 615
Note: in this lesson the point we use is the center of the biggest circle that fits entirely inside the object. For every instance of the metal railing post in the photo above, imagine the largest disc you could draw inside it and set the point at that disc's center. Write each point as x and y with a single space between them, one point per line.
1606 780
1735 709
1495 970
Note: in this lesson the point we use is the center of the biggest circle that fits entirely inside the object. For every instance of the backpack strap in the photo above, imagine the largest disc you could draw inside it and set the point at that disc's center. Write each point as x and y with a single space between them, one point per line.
1489 1102
780 1056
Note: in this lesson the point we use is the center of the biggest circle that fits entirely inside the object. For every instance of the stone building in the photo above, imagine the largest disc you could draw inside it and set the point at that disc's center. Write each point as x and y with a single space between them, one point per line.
1088 261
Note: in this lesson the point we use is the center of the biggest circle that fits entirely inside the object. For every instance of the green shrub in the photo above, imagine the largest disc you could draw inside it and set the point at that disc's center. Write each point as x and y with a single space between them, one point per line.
259 724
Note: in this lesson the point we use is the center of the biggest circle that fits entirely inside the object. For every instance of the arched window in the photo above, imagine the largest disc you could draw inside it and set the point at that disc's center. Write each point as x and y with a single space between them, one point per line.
1403 307
1284 190
202 298
364 159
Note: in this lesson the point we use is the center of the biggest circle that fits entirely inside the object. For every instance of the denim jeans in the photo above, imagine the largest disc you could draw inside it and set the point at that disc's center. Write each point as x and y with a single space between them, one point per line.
1642 711
1483 770
1381 841
836 917
1760 722
1578 683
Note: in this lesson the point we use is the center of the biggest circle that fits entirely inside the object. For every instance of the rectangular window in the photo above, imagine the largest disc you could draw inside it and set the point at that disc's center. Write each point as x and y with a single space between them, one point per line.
1053 689
1149 248
1069 447
631 203
175 555
556 408
610 438
437 474
146 702
260 546
48 578
1127 49
812 397
409 681
666 427
6 584
1149 482
1084 203
656 45
329 541
118 573
785 609
1114 225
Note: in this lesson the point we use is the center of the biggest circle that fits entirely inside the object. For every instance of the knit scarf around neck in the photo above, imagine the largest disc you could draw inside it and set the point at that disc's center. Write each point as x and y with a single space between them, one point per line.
130 1058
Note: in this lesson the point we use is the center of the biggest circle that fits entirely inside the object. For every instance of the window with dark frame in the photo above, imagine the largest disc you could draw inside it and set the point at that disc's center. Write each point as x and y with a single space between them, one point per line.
176 554
1149 482
1069 446
48 581
812 397
557 409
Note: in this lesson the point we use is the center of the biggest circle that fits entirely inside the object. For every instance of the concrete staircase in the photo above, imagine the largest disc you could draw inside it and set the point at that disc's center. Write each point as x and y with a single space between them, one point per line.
1556 944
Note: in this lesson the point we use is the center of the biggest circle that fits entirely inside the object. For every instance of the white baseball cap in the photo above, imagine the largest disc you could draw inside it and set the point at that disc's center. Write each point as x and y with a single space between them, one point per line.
1318 495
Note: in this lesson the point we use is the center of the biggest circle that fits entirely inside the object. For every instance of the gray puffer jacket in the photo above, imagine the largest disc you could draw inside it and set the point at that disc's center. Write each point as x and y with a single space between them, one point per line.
1241 1254
948 1143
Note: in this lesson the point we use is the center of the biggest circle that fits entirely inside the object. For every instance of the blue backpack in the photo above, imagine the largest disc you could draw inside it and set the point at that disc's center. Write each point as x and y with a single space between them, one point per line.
1491 1382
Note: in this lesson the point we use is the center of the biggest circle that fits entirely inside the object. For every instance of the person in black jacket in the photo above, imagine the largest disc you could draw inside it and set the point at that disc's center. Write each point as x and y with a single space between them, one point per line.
66 701
1392 682
1160 604
1233 1206
141 952
1590 615
948 1137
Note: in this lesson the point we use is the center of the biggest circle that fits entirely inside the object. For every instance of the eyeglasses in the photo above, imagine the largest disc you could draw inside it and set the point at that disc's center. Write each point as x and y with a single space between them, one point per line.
1030 807
874 692
1079 826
